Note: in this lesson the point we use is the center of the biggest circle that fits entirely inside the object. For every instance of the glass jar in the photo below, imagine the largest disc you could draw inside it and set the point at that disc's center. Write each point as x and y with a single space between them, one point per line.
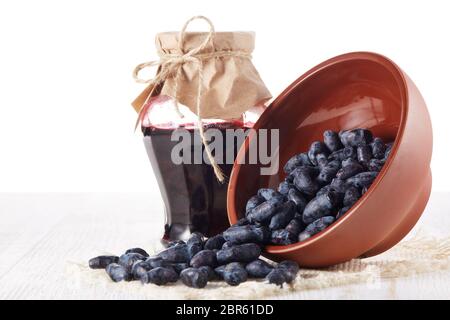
194 199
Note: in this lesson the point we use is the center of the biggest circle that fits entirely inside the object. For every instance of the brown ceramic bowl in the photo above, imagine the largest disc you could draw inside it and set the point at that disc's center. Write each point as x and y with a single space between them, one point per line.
353 90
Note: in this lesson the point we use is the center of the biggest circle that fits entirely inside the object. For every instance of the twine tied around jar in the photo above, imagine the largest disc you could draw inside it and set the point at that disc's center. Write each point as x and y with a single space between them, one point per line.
169 65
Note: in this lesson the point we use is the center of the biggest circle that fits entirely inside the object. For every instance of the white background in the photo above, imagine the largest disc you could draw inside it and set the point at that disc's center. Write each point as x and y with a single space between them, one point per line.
66 123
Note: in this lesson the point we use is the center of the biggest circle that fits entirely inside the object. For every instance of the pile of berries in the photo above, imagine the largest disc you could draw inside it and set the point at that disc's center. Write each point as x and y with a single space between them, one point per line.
321 185
197 261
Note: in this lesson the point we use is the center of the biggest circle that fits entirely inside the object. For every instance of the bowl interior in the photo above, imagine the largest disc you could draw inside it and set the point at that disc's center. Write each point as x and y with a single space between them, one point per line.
351 91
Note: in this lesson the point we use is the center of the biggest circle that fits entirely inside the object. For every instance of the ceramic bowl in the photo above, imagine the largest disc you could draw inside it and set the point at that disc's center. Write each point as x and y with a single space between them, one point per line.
354 90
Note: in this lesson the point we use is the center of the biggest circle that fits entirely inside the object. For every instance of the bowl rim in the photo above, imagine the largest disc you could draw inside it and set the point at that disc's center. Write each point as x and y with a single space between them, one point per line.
359 55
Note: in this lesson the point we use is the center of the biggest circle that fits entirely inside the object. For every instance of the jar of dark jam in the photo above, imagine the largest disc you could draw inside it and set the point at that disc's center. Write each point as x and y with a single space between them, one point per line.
194 199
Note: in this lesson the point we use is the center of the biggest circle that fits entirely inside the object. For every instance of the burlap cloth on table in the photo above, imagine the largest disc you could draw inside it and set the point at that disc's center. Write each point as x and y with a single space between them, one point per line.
419 254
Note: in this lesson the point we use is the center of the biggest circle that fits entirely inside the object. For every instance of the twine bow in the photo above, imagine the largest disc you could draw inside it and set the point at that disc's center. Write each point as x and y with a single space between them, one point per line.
170 66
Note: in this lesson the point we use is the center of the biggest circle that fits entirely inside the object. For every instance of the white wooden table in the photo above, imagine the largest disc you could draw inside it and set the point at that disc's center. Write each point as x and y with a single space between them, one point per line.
39 233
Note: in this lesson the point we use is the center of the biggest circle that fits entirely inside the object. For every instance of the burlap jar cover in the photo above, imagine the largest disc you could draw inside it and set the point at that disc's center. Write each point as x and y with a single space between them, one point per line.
211 73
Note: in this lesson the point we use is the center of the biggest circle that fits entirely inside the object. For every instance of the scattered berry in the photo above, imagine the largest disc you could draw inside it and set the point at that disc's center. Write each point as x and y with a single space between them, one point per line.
276 276
258 268
245 234
204 258
194 278
240 253
138 250
117 272
290 270
215 242
234 274
160 276
101 262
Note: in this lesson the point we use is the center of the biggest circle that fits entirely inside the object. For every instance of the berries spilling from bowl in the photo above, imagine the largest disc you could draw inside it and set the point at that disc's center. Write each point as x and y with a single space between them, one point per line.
321 185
